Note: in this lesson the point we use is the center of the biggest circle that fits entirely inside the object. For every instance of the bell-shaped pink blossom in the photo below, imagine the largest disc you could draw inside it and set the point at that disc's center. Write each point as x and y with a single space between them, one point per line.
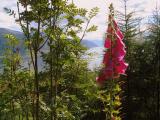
113 60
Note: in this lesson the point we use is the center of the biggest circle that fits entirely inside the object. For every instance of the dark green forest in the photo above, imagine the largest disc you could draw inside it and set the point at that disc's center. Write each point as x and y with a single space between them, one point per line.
43 75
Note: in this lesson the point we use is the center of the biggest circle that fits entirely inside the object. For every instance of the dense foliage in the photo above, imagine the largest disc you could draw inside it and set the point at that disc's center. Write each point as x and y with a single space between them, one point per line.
62 87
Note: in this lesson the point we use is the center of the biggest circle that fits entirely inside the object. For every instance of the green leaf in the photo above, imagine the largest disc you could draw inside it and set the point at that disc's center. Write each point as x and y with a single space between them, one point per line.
92 28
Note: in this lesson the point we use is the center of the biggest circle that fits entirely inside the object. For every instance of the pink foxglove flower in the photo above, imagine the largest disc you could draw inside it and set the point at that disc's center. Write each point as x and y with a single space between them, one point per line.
113 60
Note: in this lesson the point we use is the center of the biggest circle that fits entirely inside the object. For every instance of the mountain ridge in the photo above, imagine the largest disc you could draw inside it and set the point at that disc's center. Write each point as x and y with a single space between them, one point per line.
94 47
20 36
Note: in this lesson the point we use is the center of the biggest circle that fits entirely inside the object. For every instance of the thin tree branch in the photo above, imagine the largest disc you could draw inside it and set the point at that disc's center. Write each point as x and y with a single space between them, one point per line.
85 30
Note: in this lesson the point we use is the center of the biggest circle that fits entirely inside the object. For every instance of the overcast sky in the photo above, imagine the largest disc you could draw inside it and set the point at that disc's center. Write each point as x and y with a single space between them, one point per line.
146 6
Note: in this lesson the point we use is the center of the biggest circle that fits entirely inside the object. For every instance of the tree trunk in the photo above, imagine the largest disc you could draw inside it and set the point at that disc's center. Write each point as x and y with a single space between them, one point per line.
36 87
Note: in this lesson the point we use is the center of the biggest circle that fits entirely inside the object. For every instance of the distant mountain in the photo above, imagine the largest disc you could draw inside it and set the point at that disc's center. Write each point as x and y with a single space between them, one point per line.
18 34
92 43
5 31
99 42
94 54
95 48
89 44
